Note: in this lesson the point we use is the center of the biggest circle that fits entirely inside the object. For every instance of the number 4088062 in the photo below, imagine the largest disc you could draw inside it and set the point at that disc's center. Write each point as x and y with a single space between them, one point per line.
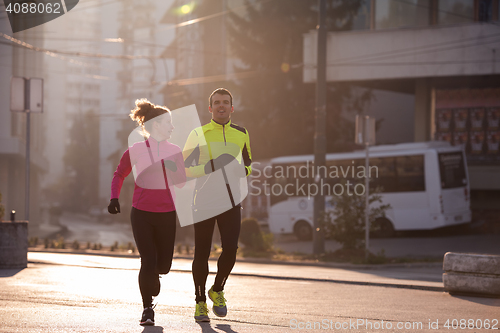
33 8
471 324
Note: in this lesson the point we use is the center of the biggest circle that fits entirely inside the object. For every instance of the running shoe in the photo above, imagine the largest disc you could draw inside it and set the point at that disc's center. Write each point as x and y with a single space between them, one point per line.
219 307
201 313
148 317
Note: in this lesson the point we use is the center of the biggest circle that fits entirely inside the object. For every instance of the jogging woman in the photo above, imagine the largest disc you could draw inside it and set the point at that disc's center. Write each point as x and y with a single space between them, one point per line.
157 165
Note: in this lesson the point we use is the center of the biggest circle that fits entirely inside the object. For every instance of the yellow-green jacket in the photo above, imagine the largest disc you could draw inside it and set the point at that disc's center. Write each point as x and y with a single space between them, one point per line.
212 140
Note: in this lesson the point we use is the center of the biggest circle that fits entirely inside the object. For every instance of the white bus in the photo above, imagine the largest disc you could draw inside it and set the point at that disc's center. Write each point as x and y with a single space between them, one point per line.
426 185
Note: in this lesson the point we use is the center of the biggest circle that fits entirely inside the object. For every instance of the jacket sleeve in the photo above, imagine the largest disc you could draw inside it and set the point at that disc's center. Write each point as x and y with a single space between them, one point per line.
178 177
247 154
191 154
122 171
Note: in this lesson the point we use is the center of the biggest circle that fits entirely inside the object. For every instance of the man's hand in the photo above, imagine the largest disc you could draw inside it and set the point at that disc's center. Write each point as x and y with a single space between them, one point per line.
170 165
114 206
218 163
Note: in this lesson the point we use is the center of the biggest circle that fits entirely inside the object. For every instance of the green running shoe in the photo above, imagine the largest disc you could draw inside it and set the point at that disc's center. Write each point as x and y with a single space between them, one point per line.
201 313
219 307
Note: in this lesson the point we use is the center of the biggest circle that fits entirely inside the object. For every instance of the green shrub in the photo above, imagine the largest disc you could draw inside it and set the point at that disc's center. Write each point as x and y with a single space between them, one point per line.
59 243
346 224
250 233
97 246
33 242
130 247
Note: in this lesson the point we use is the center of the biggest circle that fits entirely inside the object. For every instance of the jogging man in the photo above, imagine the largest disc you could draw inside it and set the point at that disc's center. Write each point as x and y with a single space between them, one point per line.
211 148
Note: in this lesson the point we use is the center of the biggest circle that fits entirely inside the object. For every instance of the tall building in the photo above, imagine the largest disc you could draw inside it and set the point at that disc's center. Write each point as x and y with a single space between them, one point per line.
445 53
107 57
200 52
185 83
73 104
19 61
133 31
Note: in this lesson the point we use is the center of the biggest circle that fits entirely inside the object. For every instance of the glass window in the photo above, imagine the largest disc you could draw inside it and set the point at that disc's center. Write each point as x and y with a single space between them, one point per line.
455 11
410 171
485 10
452 170
278 181
298 175
387 177
345 170
397 14
398 174
361 21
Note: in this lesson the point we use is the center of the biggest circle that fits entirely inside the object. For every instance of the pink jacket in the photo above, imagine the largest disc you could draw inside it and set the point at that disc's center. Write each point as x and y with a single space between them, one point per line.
154 182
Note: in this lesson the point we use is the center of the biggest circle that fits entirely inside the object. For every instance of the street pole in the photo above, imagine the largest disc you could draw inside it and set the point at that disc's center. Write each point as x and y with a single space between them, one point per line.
367 188
26 95
365 134
319 138
28 139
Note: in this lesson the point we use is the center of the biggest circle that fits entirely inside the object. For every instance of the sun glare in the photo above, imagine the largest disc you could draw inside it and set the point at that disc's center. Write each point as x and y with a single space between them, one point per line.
185 9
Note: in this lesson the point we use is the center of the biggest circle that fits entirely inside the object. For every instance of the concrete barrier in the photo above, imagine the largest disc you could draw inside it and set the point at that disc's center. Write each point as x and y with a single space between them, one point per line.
467 273
13 244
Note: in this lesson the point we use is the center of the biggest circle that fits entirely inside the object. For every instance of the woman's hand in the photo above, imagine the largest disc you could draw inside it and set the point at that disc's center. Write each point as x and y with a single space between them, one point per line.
114 206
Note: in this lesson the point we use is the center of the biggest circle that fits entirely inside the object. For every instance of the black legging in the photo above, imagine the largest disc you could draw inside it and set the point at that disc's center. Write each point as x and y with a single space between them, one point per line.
154 235
229 228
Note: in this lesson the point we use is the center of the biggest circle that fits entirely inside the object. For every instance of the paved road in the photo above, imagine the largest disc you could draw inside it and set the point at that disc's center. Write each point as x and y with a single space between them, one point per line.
76 293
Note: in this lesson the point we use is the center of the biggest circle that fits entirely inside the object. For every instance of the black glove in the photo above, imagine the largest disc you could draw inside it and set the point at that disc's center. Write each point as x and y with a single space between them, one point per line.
170 165
114 206
218 163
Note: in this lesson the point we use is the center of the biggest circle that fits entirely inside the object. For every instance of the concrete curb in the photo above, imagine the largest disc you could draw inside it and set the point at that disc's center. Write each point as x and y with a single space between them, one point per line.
261 261
472 274
472 263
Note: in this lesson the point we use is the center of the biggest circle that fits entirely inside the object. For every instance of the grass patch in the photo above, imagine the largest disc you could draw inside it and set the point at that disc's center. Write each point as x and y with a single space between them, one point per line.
356 257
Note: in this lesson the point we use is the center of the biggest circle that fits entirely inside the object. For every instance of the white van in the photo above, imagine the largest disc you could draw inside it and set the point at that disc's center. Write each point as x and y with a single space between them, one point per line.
425 183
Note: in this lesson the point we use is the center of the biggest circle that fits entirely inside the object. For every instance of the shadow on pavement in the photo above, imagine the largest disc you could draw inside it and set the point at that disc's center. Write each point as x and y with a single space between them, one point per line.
207 328
225 328
153 329
8 272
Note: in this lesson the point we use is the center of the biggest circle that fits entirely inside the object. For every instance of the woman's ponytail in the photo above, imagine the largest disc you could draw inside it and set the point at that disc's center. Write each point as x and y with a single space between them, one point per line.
144 111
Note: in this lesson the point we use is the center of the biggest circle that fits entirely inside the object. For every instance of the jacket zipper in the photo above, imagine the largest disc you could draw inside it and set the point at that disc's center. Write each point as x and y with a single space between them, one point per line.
224 135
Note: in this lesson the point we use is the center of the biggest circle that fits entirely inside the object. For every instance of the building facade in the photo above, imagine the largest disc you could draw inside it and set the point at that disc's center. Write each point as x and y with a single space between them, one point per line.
18 61
445 52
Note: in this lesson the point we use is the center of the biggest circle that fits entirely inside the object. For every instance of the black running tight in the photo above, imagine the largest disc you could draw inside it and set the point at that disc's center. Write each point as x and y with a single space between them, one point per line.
229 228
154 235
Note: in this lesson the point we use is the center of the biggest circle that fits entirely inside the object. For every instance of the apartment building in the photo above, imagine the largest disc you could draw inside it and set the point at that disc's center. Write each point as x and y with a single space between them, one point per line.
445 53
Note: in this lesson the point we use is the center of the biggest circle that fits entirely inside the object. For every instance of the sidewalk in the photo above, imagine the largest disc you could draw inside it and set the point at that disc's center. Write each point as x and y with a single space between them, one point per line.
412 247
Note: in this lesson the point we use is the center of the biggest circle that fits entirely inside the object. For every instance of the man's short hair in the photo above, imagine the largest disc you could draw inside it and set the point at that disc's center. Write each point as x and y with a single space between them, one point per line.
220 91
